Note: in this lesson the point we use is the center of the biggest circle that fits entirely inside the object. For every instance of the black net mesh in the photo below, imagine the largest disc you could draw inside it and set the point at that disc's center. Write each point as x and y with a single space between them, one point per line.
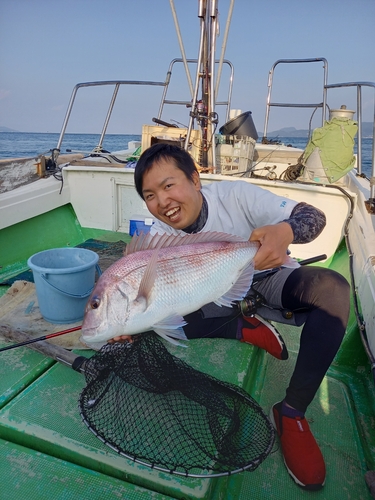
154 408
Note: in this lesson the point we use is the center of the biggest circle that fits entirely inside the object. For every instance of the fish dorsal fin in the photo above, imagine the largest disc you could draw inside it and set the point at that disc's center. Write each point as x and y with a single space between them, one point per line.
147 241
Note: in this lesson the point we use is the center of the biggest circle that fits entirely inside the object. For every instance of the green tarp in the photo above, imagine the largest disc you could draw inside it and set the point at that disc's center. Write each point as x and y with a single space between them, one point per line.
335 142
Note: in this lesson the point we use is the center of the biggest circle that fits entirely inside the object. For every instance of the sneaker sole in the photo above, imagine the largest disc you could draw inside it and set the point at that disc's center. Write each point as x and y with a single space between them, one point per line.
284 351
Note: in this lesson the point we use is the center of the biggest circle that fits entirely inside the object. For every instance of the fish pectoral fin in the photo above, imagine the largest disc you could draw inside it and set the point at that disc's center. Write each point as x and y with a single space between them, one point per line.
171 328
149 277
239 289
141 303
167 335
175 322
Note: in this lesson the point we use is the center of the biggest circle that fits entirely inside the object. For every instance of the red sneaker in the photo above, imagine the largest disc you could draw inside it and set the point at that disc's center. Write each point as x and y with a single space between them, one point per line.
259 332
302 456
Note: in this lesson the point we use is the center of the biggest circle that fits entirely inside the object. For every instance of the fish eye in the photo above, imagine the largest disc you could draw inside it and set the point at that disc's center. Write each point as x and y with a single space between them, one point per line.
95 302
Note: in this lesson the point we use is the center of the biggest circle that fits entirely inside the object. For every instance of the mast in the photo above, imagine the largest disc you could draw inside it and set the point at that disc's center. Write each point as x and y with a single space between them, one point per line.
203 107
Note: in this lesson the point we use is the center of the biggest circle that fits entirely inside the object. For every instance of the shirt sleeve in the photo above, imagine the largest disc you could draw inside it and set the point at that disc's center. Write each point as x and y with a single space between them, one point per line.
263 207
307 222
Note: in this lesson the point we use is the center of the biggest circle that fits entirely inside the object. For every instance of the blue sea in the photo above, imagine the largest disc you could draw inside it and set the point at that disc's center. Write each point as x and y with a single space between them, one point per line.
27 144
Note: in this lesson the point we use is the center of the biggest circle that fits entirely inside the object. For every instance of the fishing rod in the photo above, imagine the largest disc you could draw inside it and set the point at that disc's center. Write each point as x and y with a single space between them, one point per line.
44 337
269 272
55 352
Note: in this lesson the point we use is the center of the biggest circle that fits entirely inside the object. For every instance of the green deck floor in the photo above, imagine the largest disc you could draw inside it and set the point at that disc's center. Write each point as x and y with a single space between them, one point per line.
341 427
46 451
44 417
41 428
29 474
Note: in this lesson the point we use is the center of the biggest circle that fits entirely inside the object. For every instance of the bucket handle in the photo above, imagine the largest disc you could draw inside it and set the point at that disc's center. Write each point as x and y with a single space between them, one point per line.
74 295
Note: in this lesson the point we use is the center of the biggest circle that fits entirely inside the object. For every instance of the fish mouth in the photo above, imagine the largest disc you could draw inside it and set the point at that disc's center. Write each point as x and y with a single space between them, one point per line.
88 333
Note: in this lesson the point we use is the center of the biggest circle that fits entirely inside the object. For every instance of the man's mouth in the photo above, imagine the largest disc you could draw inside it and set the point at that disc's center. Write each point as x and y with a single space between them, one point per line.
173 214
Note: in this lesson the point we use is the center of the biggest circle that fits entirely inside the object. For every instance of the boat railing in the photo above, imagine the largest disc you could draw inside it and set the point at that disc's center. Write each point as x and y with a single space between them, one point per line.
165 101
117 84
321 105
359 86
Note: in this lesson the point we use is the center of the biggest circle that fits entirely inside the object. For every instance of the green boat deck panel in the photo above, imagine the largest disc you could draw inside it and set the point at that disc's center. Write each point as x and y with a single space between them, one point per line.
55 229
46 449
45 417
18 369
29 474
343 431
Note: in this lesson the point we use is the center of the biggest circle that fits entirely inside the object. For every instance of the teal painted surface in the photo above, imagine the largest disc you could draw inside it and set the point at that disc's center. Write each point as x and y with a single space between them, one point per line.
54 229
18 369
45 417
39 400
341 419
27 474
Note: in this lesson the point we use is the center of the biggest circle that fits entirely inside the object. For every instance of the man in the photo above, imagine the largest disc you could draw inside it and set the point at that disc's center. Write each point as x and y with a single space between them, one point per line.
167 179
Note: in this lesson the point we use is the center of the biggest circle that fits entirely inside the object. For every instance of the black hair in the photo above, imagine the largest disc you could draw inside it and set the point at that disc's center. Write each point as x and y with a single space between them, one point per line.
162 151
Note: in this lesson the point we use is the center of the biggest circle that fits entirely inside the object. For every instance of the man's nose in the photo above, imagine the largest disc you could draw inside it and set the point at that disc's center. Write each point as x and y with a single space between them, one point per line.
163 199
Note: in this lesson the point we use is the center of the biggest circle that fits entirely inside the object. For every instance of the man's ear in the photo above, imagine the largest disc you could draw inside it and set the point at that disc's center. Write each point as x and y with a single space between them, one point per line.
197 181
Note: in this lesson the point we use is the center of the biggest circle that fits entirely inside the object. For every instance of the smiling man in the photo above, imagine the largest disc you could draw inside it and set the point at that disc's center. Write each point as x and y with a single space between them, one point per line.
167 179
172 196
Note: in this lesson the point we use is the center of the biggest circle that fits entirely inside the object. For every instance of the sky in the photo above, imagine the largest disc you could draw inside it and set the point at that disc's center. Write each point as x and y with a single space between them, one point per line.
48 46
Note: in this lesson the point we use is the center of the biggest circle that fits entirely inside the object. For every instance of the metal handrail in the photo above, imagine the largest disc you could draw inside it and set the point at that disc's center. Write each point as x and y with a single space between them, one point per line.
117 84
186 103
294 105
359 86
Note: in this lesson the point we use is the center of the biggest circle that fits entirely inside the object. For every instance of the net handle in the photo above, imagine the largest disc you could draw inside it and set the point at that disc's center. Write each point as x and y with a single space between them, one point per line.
52 351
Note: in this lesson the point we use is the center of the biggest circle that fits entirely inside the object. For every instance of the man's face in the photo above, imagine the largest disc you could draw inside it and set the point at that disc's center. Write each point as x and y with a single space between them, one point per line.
170 196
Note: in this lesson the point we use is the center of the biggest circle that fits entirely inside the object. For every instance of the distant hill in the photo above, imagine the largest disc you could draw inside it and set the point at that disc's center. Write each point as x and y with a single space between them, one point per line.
367 130
6 129
288 132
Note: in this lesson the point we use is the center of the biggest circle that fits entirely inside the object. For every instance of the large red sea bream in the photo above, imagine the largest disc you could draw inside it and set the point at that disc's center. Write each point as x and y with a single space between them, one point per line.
163 278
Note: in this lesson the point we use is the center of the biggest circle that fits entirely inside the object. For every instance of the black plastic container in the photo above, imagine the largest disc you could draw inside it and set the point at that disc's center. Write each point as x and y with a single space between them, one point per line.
240 125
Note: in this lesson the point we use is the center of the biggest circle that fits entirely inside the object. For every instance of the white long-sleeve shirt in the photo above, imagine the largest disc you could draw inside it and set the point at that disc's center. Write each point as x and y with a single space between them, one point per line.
237 208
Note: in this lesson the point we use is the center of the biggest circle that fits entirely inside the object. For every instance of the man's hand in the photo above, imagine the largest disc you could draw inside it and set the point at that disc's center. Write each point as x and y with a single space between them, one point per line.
274 242
122 339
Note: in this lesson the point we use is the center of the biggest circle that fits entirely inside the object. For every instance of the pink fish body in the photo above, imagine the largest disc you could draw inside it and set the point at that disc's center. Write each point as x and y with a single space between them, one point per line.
163 278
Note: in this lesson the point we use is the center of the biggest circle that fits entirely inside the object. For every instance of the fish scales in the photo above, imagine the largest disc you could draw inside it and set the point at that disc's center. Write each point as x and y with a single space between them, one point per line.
191 270
152 289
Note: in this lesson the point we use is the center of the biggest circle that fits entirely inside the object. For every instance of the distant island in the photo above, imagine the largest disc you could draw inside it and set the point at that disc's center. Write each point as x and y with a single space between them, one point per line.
6 129
286 132
367 130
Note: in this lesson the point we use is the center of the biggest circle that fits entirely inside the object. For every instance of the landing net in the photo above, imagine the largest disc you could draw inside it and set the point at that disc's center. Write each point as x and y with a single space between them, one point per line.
155 409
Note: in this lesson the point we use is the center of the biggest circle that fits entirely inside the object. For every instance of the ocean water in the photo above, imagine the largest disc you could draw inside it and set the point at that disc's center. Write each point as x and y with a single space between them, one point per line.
27 144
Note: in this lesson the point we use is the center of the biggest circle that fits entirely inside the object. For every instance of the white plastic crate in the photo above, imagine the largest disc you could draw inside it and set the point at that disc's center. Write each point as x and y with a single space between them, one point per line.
234 153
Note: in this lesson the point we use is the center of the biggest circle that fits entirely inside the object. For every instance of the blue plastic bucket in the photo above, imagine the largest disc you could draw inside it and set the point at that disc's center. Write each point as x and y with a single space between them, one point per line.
64 279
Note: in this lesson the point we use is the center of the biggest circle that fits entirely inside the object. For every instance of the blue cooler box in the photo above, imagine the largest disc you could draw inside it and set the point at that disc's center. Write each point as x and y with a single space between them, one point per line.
140 223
